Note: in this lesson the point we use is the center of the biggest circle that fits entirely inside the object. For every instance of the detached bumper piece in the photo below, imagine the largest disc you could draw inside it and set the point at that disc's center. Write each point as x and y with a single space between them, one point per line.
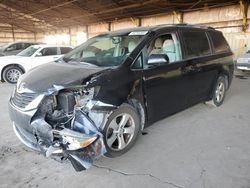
82 143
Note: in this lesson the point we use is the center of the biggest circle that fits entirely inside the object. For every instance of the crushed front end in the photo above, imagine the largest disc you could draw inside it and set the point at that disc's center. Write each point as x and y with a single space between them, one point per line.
62 123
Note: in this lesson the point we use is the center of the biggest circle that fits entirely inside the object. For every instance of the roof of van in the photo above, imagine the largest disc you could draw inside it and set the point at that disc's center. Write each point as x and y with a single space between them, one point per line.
157 27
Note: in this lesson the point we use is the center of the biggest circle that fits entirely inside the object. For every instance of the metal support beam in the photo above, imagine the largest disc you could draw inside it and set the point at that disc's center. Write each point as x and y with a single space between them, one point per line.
35 36
178 16
139 22
70 38
109 26
87 31
13 33
53 7
244 7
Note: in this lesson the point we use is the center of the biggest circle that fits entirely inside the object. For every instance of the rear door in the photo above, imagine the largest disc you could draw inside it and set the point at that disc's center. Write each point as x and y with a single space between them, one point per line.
46 55
200 69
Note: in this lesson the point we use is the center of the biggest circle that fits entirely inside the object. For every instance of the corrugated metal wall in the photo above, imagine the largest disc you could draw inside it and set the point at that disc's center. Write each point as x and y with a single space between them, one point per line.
227 19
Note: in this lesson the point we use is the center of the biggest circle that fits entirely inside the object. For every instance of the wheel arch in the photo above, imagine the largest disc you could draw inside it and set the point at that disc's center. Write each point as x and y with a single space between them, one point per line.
10 65
226 73
140 110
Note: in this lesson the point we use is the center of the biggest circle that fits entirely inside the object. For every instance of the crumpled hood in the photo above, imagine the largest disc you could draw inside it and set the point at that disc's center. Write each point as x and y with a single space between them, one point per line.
45 77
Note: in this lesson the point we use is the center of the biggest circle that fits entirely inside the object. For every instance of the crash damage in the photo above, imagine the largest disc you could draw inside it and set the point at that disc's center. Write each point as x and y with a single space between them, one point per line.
67 125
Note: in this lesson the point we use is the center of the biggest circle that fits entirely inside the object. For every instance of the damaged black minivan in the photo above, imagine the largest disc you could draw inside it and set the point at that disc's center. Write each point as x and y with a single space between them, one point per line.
97 99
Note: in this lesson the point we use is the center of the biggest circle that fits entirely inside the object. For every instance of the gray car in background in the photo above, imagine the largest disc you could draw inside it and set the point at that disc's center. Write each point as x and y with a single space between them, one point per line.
14 47
243 63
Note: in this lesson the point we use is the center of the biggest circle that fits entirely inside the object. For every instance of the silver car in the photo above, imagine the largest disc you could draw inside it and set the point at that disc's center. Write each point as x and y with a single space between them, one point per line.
243 63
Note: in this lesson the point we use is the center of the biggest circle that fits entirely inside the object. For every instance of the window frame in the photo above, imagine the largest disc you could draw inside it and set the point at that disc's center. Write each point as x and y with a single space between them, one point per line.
209 33
64 47
166 32
140 55
57 51
184 44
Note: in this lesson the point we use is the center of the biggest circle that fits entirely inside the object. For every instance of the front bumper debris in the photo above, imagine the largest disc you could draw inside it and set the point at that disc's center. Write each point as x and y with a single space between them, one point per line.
82 144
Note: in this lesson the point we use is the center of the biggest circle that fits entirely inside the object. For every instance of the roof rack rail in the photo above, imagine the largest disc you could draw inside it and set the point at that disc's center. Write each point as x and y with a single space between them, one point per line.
195 25
203 26
182 24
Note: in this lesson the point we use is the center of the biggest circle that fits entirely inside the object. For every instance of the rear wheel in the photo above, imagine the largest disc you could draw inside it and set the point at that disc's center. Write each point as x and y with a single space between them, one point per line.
11 74
219 91
121 130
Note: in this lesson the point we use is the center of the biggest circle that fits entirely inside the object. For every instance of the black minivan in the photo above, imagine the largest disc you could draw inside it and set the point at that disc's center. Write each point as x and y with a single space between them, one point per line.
98 97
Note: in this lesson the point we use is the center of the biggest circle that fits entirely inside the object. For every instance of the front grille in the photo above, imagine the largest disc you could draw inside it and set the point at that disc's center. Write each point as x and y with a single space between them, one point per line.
21 100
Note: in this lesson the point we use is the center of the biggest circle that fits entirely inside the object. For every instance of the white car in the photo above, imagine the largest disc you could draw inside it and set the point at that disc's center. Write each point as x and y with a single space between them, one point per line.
11 67
243 63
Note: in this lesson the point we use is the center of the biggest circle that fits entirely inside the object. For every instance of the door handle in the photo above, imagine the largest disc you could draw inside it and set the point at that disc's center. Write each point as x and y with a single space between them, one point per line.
190 69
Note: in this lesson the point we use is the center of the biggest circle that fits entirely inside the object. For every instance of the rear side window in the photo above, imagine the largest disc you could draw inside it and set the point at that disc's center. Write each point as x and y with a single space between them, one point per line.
26 45
49 51
19 46
196 43
219 42
65 50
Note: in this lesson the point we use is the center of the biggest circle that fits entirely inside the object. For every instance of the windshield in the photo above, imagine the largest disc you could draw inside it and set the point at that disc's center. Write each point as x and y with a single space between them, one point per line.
105 50
29 51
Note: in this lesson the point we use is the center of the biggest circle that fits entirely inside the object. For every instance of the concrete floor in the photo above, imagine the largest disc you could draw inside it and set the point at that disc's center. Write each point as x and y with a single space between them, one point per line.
202 146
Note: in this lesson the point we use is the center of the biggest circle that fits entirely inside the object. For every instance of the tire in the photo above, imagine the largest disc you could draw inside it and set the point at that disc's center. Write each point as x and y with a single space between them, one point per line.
219 91
116 140
11 74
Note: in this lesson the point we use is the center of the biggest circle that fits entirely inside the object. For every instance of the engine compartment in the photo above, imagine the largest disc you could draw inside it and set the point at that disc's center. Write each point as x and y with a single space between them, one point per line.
66 127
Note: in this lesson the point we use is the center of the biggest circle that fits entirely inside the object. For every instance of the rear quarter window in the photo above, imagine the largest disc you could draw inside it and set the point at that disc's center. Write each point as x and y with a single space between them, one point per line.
65 50
196 43
219 42
49 51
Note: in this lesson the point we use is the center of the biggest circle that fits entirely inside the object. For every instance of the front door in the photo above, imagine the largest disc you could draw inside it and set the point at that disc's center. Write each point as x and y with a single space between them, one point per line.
165 85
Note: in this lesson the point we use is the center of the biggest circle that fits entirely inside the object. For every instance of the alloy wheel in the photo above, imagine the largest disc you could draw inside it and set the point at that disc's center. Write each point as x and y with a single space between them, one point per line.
120 132
220 92
12 75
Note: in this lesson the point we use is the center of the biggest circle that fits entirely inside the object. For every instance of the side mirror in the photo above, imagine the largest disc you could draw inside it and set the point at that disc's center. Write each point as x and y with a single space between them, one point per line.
158 59
39 54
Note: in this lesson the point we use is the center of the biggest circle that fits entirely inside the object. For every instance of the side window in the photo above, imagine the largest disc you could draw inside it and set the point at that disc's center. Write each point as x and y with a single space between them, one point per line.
26 45
12 47
137 63
219 42
49 51
19 46
166 44
65 50
196 43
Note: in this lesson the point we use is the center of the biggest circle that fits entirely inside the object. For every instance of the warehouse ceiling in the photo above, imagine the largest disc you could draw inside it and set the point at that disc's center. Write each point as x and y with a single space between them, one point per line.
44 15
